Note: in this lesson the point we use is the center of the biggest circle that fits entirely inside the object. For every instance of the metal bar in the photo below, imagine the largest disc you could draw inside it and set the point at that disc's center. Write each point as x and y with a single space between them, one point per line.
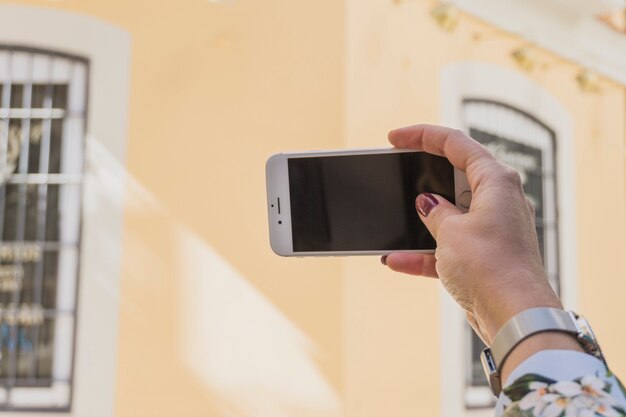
46 179
6 113
51 313
42 245
42 204
34 50
4 136
4 144
21 208
43 383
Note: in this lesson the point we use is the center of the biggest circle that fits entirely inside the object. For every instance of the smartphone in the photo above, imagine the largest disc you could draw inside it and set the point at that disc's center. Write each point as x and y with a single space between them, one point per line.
355 202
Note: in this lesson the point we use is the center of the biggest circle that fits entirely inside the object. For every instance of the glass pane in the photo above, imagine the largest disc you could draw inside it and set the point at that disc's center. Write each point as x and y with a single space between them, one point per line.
53 216
39 96
32 198
25 347
14 146
56 136
34 145
45 349
7 346
48 291
59 96
477 375
10 211
527 161
17 96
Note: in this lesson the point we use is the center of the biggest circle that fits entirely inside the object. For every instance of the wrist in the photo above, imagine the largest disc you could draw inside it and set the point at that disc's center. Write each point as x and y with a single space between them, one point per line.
537 343
532 331
505 303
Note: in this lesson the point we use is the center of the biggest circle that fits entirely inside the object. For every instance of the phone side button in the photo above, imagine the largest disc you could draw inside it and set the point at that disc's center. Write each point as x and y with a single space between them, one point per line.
465 199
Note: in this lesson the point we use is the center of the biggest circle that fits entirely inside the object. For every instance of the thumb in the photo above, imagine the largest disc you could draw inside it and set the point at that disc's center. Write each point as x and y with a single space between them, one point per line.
433 209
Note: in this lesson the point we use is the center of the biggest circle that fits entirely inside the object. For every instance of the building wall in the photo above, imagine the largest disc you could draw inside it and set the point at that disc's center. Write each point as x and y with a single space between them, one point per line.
211 322
216 89
396 54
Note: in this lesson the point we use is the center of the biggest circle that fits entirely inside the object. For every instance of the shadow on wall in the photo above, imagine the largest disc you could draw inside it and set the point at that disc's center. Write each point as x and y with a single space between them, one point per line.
226 334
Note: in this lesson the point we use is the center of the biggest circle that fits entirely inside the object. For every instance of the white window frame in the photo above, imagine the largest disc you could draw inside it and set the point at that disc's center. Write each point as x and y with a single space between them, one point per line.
23 66
479 80
108 50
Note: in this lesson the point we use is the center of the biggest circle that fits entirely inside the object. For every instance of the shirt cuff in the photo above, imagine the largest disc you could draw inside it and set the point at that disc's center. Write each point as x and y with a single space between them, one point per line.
561 365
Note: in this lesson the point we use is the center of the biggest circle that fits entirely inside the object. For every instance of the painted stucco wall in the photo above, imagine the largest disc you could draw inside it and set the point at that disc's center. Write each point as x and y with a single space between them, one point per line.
211 322
396 55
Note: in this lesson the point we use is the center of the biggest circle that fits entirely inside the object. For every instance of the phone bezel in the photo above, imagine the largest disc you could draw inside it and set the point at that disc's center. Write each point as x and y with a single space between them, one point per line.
277 182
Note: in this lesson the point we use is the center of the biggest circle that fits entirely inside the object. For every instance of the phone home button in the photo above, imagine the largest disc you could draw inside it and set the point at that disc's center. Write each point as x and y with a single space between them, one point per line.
465 199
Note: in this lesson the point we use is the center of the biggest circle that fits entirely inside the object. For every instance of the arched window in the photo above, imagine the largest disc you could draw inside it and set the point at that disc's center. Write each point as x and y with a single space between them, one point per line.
530 130
526 144
43 96
76 369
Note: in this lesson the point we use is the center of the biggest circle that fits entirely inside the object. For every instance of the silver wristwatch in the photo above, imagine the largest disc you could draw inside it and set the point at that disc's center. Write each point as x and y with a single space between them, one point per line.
528 323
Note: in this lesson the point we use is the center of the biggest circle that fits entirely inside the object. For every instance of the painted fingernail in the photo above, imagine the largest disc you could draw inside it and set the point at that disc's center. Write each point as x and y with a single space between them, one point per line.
425 203
383 260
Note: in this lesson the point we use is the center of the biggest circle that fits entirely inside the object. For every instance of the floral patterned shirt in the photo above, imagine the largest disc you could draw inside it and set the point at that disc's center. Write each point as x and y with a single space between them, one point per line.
562 383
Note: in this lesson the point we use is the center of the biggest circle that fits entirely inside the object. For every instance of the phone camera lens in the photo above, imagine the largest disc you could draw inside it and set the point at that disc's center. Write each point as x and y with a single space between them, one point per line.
280 222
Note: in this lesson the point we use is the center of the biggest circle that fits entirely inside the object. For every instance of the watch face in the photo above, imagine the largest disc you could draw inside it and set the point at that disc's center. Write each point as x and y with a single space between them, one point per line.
587 338
491 371
489 364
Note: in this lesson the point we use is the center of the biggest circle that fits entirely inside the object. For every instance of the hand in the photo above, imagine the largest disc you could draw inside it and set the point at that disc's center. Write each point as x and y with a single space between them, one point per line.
487 259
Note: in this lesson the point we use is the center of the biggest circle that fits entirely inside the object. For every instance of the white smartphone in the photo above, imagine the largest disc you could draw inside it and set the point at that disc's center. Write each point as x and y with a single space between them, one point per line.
355 202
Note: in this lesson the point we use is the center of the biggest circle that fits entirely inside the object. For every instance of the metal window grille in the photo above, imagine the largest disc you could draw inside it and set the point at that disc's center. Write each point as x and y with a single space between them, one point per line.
42 125
527 145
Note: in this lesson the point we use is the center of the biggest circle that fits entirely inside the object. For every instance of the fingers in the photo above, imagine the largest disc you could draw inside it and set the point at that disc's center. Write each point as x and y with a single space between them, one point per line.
412 263
433 210
462 151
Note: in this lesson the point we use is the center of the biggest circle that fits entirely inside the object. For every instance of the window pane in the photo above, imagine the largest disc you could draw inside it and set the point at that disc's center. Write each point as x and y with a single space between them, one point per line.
35 135
17 96
40 213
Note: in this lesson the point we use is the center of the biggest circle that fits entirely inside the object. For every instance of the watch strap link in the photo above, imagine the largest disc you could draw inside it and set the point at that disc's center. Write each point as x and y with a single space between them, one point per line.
531 322
528 323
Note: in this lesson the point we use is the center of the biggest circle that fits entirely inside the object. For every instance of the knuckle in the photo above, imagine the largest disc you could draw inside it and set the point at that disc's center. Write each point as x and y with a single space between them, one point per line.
458 132
445 227
511 177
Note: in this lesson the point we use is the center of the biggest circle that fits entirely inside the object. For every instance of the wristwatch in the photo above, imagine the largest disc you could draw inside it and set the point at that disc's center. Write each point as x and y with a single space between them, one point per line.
528 323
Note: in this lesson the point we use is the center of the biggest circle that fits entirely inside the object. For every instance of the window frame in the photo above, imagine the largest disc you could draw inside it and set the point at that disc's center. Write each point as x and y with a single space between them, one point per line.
543 140
108 49
463 80
36 396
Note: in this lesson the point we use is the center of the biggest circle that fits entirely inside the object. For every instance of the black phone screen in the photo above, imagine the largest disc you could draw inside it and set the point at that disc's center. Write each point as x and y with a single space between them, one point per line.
364 202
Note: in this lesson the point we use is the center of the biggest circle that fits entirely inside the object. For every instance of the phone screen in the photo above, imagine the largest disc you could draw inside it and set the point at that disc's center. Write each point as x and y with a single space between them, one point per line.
364 202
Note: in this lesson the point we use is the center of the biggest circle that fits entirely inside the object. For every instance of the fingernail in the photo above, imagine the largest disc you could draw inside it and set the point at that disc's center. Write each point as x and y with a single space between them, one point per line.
383 260
425 203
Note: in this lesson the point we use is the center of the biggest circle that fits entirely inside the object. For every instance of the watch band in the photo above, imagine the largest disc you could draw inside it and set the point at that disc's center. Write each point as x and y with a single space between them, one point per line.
528 323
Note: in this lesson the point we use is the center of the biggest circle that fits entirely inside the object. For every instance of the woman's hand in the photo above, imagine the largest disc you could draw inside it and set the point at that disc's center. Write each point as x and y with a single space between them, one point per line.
487 259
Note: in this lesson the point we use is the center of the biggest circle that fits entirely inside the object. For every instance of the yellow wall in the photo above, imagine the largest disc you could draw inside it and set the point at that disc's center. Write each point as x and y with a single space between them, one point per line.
215 89
396 54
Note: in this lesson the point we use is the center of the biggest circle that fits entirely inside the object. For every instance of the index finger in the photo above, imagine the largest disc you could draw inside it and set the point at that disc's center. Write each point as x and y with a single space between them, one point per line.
462 151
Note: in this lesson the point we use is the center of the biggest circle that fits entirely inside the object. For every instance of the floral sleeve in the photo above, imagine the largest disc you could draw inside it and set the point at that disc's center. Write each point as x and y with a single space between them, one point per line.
534 395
